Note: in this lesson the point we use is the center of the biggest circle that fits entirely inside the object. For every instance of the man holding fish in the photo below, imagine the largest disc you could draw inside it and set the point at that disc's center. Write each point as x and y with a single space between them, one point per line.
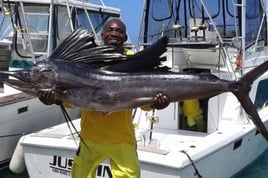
108 136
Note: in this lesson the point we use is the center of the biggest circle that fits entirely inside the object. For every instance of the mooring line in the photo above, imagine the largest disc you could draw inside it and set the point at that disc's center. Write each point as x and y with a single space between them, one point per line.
196 170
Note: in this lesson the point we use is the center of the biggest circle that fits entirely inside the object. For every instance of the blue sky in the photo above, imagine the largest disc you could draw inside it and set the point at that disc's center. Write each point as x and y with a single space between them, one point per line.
131 13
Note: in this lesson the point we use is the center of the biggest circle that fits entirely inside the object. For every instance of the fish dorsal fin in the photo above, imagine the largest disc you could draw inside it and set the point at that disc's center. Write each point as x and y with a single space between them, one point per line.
76 41
80 46
147 60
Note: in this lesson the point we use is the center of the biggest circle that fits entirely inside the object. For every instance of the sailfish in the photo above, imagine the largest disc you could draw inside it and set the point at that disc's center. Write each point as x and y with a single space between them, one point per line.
98 78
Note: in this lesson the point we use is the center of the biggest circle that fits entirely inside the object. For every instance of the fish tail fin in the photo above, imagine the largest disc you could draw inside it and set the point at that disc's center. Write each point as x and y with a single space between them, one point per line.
249 107
242 94
255 73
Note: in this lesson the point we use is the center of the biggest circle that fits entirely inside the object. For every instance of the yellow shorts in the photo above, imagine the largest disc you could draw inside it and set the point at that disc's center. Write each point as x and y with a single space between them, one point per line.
123 160
196 120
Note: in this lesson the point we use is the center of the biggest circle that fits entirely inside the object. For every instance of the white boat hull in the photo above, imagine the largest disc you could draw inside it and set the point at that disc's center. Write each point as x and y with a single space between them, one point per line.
24 115
222 154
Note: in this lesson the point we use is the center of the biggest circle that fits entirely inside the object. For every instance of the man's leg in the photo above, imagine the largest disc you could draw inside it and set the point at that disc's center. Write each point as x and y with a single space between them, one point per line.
124 161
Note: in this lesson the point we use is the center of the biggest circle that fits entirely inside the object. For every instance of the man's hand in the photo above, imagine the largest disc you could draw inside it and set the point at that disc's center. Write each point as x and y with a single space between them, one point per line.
48 98
160 101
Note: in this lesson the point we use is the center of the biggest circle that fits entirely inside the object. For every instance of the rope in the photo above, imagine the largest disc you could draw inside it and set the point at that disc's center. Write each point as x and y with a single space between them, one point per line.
70 124
196 170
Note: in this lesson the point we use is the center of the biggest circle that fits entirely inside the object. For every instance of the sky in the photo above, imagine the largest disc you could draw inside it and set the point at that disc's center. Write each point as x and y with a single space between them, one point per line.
131 13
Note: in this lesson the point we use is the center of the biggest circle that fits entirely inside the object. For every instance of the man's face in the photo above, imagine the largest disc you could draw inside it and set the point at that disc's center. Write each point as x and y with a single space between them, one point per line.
114 33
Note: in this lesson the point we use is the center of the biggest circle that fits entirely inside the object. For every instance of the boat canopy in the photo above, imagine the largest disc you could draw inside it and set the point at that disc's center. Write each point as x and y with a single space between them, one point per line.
180 18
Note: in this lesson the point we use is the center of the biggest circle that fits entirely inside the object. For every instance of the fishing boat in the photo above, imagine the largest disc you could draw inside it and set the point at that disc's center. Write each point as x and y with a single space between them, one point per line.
227 38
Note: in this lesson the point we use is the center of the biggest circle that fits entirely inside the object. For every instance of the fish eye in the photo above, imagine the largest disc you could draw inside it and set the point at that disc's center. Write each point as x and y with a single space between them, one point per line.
26 75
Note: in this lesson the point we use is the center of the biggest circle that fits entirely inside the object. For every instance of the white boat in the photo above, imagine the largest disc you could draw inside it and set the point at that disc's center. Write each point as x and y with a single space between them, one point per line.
205 36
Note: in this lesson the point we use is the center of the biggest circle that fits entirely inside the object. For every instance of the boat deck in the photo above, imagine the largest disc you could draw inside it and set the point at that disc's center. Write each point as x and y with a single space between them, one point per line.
196 144
14 98
9 95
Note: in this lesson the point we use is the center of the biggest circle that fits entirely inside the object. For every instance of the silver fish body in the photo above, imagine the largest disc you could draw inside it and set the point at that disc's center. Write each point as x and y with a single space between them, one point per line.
112 91
108 91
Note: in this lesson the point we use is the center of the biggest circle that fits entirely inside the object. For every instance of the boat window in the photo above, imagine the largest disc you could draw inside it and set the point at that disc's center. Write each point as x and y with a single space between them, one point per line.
261 95
230 22
230 8
36 18
79 18
36 25
6 30
163 12
63 25
197 11
97 19
253 19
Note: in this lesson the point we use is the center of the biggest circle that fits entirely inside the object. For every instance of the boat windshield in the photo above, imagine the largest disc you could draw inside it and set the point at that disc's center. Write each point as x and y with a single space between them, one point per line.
178 18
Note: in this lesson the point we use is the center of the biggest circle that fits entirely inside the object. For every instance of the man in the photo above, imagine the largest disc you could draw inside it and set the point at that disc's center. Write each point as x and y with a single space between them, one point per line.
114 34
108 136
